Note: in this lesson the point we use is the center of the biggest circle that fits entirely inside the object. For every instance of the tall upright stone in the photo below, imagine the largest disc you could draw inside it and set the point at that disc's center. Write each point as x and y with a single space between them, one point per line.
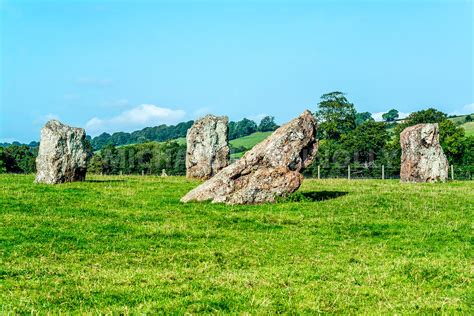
207 147
62 154
270 169
423 159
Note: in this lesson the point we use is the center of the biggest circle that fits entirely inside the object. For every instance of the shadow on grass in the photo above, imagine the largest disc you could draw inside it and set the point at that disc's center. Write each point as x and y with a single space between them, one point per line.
314 196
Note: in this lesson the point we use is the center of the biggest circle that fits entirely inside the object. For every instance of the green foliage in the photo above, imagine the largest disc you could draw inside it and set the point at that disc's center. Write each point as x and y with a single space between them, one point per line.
241 128
3 167
468 155
363 117
365 149
451 138
468 118
149 158
159 133
126 245
367 142
424 116
336 115
390 116
267 124
18 159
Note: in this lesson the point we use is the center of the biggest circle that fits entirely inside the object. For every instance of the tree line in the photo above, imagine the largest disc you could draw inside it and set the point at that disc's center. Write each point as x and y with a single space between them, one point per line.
346 138
164 132
149 150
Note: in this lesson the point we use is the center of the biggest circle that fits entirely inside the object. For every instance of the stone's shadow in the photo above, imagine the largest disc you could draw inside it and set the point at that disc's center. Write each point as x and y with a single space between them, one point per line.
111 180
315 196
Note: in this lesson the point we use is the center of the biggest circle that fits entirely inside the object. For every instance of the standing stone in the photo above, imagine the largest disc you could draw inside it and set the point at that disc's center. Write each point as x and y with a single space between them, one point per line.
207 148
423 159
62 154
269 170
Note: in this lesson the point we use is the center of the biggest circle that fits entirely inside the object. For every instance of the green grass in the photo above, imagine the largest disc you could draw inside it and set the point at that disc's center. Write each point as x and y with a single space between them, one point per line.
468 128
127 245
247 142
250 140
460 119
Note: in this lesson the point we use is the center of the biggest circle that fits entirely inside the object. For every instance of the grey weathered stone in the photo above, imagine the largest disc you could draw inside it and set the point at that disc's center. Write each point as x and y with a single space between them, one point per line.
270 169
207 147
423 159
62 154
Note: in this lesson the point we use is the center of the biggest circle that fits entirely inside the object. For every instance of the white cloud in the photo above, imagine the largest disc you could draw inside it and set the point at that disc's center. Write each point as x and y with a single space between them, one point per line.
466 109
378 115
136 118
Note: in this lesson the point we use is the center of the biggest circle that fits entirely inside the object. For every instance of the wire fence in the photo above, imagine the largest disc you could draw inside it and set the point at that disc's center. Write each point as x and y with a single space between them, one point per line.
378 172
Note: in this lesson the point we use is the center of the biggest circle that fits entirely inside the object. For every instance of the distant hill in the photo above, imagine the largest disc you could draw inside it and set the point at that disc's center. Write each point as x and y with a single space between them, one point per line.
159 133
163 133
240 145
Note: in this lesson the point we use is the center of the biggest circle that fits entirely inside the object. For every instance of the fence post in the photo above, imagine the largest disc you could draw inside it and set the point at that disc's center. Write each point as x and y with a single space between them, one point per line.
452 172
383 172
143 173
319 172
348 172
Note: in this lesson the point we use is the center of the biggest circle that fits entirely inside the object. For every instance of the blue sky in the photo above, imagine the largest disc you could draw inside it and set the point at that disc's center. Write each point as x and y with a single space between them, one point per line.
122 65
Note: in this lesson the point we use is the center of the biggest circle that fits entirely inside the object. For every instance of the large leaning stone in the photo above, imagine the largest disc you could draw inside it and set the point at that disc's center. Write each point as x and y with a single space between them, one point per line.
423 159
207 147
62 154
270 169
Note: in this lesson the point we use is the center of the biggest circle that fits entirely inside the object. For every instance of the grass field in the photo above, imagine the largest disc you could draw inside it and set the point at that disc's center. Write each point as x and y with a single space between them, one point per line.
468 128
250 140
127 245
247 142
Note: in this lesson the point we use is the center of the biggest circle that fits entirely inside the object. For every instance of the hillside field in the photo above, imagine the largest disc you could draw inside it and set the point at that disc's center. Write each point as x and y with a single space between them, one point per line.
247 142
468 128
127 245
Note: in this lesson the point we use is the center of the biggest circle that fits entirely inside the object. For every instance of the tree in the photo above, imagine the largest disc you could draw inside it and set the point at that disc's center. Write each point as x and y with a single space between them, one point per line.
158 133
336 115
451 138
267 124
367 141
363 117
110 161
242 128
425 116
3 168
19 159
95 164
468 155
390 116
468 118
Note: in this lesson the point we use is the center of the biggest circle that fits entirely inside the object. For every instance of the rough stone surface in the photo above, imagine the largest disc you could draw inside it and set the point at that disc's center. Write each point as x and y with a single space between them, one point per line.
62 154
207 147
423 159
270 169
